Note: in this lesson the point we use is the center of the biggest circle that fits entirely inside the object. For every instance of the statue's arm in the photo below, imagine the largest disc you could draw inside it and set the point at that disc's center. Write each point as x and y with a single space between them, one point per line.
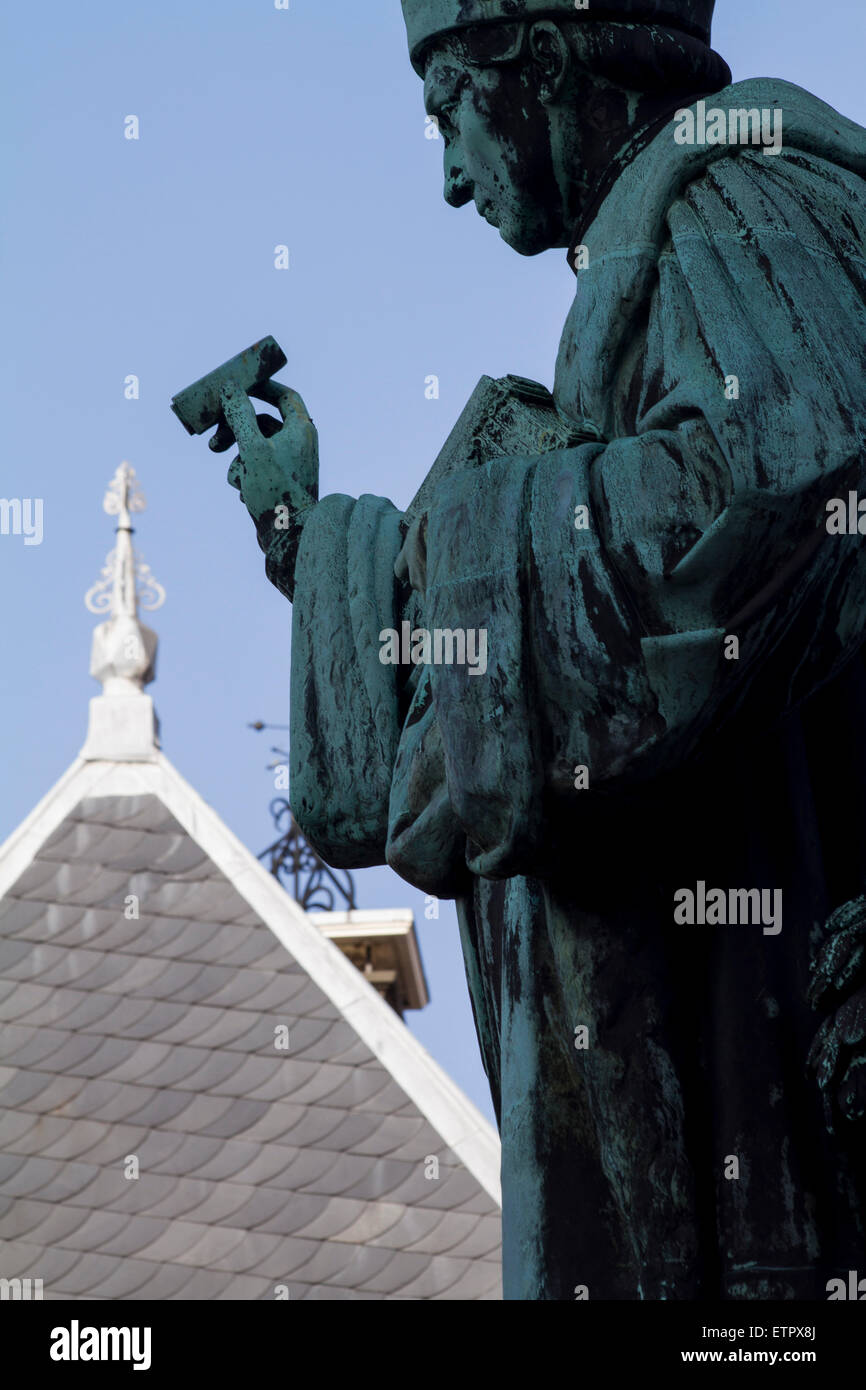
334 559
346 704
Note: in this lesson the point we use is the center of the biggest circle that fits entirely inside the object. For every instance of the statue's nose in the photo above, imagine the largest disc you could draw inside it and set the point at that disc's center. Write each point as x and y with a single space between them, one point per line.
458 189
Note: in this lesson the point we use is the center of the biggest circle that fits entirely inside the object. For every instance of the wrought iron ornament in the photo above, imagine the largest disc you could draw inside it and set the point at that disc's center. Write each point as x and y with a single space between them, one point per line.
293 861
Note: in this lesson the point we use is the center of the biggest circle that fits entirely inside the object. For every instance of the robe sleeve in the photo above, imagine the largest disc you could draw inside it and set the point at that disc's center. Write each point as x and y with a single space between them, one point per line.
609 645
345 704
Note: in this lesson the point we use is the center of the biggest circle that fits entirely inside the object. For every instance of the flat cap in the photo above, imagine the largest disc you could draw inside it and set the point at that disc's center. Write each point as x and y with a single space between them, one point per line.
428 19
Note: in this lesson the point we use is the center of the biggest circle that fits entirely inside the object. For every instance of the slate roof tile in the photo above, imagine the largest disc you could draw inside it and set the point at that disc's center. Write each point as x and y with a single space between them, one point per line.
77 1139
161 1066
151 1018
91 1055
353 1175
21 1260
98 1230
333 1262
155 1037
17 999
308 1127
45 1177
251 1255
352 1052
226 1158
103 1276
317 1293
243 1287
220 1203
451 1188
257 1078
24 1133
400 1269
159 1150
259 1164
329 1217
124 1017
391 1135
274 1212
112 1189
16 915
372 1221
37 1091
165 1282
442 1239
162 1108
80 1010
23 1046
240 1118
481 1279
206 1284
481 1242
40 1222
359 1090
111 1100
415 1223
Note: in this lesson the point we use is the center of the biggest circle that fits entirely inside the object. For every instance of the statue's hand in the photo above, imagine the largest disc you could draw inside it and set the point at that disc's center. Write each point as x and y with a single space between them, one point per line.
838 1053
278 464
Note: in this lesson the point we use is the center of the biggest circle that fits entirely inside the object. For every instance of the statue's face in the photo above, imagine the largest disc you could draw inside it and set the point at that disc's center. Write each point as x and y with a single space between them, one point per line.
497 148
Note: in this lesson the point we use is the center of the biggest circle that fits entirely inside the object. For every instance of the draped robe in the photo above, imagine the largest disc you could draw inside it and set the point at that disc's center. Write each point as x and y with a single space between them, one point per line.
607 649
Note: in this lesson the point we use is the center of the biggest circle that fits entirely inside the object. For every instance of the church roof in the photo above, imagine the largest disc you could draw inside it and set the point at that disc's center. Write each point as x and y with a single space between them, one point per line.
168 1010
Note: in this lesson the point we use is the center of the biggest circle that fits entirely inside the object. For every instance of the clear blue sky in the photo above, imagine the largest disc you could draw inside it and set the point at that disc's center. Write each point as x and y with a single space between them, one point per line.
155 257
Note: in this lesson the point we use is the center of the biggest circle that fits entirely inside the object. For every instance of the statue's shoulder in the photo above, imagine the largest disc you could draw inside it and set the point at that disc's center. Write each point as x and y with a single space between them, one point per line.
805 121
708 136
809 158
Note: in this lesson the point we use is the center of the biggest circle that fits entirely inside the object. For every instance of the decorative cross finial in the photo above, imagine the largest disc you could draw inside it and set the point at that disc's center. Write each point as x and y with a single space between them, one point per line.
126 580
123 656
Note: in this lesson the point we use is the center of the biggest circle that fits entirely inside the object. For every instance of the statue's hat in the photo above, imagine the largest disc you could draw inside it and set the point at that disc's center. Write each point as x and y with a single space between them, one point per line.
427 19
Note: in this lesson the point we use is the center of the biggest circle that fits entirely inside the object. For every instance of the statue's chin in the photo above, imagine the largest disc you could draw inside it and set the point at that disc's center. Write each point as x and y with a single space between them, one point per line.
525 238
525 241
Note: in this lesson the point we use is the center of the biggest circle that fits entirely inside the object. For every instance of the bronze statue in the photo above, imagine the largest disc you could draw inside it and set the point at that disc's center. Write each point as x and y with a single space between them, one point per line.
650 800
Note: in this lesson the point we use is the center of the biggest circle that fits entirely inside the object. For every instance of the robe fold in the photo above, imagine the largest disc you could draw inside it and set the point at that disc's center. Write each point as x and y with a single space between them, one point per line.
718 342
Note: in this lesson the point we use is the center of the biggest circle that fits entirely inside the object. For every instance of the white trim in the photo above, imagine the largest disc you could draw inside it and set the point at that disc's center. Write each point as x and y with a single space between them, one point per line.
459 1123
390 920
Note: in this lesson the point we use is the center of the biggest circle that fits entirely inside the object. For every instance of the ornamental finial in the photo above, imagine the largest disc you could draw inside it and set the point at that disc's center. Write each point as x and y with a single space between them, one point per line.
123 655
126 581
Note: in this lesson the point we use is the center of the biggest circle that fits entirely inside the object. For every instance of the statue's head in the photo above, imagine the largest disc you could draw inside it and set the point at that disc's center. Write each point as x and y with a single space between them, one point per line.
537 100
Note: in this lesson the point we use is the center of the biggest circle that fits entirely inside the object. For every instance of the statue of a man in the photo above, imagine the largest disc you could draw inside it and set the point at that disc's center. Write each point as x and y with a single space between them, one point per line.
653 795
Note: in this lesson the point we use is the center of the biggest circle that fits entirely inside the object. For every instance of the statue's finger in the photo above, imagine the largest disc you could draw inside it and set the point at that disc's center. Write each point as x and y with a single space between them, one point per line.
240 417
287 401
233 477
222 439
269 425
